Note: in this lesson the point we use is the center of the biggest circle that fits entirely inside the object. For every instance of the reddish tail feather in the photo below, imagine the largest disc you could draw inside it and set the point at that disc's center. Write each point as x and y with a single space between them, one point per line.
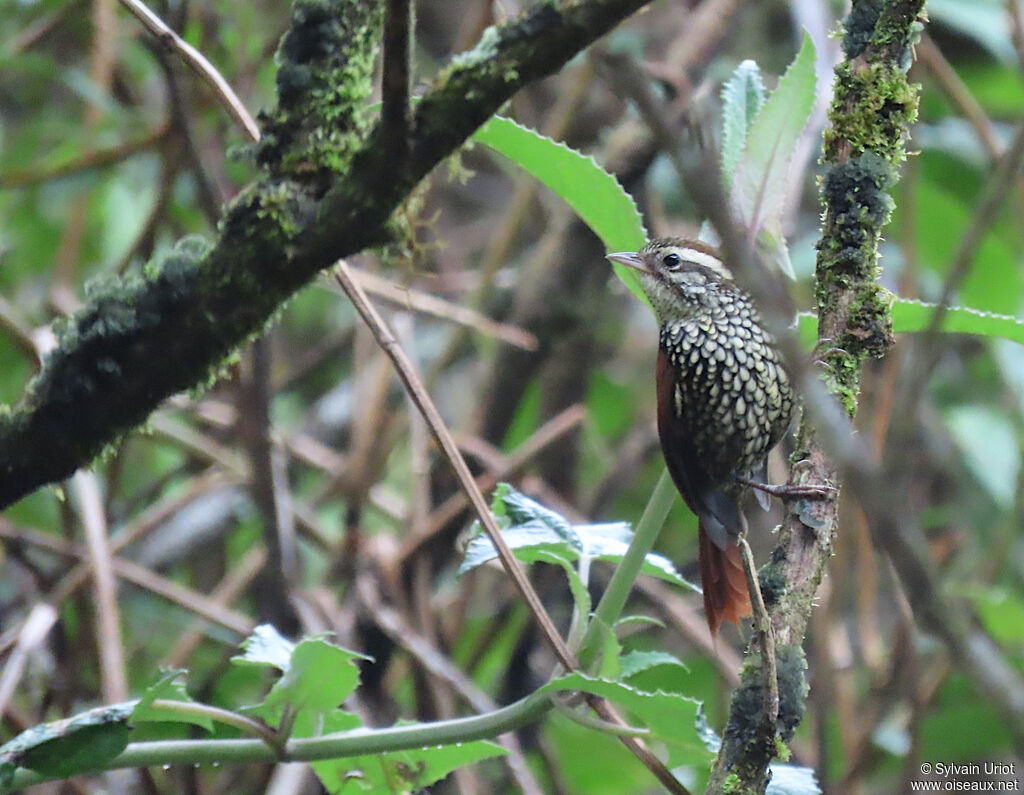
724 584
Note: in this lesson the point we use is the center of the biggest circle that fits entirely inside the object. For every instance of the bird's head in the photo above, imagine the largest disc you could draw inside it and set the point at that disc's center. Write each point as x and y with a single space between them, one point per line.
680 277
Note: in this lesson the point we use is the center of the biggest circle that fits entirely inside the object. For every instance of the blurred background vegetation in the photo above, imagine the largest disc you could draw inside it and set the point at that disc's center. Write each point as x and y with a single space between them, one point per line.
301 490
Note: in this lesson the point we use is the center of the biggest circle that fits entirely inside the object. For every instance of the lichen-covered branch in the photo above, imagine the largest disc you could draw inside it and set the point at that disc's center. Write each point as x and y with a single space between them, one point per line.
872 108
327 191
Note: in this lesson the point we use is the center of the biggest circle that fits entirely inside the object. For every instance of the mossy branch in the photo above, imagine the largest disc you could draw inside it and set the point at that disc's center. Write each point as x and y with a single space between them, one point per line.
327 191
871 111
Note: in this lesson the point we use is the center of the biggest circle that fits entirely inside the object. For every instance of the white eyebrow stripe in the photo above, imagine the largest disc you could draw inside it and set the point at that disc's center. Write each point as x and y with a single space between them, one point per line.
705 259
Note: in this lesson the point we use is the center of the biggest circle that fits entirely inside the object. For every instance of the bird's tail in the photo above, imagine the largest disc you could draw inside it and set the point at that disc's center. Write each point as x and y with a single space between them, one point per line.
724 584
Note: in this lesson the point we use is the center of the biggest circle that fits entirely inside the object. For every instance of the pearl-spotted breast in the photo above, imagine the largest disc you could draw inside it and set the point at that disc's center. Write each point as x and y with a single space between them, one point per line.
724 400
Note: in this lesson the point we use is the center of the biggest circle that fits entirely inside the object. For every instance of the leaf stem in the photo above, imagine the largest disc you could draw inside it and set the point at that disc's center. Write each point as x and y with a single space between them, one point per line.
613 601
328 746
225 716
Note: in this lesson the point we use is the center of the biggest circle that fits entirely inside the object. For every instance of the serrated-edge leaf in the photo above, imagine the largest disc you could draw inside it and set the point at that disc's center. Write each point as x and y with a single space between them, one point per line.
547 532
707 735
626 621
792 780
170 687
521 509
773 249
612 548
402 771
320 676
265 647
524 540
609 666
640 660
50 748
578 588
742 97
760 180
662 712
595 195
910 316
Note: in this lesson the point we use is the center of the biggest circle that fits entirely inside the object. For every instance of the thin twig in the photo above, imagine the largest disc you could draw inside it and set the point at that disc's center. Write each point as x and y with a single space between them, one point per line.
985 214
225 592
269 489
195 59
33 631
546 434
114 681
931 56
1016 29
133 572
764 625
429 304
443 437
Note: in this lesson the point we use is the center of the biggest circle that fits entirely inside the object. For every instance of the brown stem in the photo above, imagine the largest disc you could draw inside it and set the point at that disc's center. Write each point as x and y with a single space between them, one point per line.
444 440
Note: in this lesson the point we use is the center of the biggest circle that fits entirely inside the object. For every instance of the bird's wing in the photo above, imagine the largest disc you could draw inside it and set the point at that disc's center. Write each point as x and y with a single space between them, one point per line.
717 509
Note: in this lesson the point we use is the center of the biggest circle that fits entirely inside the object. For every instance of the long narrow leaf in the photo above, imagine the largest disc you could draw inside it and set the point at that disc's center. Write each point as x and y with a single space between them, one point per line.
910 316
761 179
742 99
595 195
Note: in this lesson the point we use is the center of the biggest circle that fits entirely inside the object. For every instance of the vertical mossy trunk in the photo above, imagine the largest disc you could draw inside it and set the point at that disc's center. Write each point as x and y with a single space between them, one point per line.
871 111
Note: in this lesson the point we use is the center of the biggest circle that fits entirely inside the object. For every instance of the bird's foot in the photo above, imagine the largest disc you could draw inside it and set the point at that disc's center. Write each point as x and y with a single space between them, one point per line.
792 491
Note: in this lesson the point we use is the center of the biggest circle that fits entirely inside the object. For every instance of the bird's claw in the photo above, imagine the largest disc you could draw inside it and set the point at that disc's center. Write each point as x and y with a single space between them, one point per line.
793 491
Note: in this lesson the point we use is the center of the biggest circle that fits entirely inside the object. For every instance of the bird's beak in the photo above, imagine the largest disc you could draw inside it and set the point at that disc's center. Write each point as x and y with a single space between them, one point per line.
630 259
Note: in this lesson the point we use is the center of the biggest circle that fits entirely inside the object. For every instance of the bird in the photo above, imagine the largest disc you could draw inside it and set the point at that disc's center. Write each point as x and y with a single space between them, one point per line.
724 400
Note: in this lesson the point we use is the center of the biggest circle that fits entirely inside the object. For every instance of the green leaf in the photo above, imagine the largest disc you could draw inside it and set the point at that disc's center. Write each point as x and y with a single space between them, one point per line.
265 647
792 780
911 316
637 661
170 687
991 449
742 98
578 588
626 622
707 735
67 747
594 194
532 531
610 666
318 677
1001 611
671 717
609 542
761 177
398 771
941 216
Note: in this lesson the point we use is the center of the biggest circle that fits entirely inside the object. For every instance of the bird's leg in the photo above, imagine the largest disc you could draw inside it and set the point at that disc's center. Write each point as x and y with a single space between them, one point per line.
791 491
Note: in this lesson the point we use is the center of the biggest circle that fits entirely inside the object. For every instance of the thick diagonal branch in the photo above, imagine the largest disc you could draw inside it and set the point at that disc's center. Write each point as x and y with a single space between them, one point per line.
328 192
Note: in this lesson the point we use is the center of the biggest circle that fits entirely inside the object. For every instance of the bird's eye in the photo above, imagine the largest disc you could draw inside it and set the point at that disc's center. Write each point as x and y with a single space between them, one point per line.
671 261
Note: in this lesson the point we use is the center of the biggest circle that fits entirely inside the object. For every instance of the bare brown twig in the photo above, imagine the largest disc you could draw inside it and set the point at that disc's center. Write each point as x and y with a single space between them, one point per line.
441 435
108 617
197 61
